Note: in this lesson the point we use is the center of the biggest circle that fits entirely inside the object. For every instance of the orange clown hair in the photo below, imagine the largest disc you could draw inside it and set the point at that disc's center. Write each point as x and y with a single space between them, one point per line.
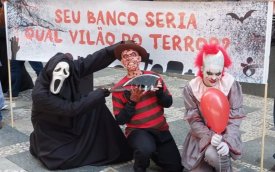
211 49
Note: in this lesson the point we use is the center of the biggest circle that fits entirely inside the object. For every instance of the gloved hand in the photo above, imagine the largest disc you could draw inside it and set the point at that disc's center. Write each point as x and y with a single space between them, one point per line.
159 92
223 149
127 94
136 94
105 91
216 139
159 86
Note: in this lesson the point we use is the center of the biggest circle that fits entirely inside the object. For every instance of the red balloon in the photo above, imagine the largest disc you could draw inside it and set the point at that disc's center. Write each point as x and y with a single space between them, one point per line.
215 109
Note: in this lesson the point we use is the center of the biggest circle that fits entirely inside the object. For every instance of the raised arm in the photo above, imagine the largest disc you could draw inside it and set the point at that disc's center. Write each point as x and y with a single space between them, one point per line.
96 61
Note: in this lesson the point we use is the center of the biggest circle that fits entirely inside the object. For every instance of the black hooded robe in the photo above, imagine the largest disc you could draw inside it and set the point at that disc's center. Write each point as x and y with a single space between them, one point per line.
72 130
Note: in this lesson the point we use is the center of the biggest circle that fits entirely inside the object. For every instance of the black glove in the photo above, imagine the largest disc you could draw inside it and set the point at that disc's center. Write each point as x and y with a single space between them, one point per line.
159 92
127 95
105 91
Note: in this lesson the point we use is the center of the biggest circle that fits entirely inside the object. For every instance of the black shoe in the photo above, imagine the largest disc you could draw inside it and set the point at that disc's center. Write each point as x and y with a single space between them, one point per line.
139 169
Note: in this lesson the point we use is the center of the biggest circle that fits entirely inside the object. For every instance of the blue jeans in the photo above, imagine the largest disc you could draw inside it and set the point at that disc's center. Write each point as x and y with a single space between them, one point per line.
36 66
20 78
2 100
274 113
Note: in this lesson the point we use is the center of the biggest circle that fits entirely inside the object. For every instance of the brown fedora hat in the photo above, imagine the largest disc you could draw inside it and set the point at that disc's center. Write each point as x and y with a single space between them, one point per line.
131 45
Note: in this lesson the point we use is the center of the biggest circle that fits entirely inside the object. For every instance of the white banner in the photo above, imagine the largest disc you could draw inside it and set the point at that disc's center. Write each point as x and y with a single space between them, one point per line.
172 32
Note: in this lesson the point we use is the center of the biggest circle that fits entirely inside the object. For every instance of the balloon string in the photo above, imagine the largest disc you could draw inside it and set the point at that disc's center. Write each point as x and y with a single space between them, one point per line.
220 162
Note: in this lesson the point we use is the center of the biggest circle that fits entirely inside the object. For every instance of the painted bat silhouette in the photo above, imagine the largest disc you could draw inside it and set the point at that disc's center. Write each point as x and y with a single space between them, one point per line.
255 35
241 19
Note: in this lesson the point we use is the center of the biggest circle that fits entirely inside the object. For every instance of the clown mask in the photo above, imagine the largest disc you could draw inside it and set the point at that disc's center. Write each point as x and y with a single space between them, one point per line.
60 73
213 65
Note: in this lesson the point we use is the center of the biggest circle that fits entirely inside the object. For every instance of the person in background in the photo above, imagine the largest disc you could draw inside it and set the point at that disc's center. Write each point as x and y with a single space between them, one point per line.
20 78
147 131
274 111
3 61
3 51
270 66
2 105
203 149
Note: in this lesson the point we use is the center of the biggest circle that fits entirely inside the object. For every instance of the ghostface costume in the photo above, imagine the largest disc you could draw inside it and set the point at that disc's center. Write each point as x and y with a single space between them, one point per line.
71 129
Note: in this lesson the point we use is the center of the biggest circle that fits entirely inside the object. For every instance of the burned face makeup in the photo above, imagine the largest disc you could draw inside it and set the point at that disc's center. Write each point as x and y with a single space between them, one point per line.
130 60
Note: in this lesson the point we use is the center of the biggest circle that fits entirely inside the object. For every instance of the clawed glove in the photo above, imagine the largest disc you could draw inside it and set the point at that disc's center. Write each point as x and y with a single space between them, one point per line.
159 91
127 94
223 149
216 139
136 94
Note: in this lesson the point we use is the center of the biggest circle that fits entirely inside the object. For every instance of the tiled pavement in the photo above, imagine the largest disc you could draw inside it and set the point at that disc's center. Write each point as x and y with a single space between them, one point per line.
14 142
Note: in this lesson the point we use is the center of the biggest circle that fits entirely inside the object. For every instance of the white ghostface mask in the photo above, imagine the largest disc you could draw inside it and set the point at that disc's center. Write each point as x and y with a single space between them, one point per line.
60 73
212 68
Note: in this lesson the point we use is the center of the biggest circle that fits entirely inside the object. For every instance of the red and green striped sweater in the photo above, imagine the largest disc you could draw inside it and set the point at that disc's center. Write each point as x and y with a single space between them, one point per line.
147 113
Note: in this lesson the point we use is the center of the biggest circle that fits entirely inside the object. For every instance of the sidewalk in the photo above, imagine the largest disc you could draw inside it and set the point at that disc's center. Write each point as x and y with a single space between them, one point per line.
14 142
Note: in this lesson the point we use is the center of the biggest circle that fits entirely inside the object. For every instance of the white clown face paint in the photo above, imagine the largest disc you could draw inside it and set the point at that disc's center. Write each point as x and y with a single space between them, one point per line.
60 73
212 68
